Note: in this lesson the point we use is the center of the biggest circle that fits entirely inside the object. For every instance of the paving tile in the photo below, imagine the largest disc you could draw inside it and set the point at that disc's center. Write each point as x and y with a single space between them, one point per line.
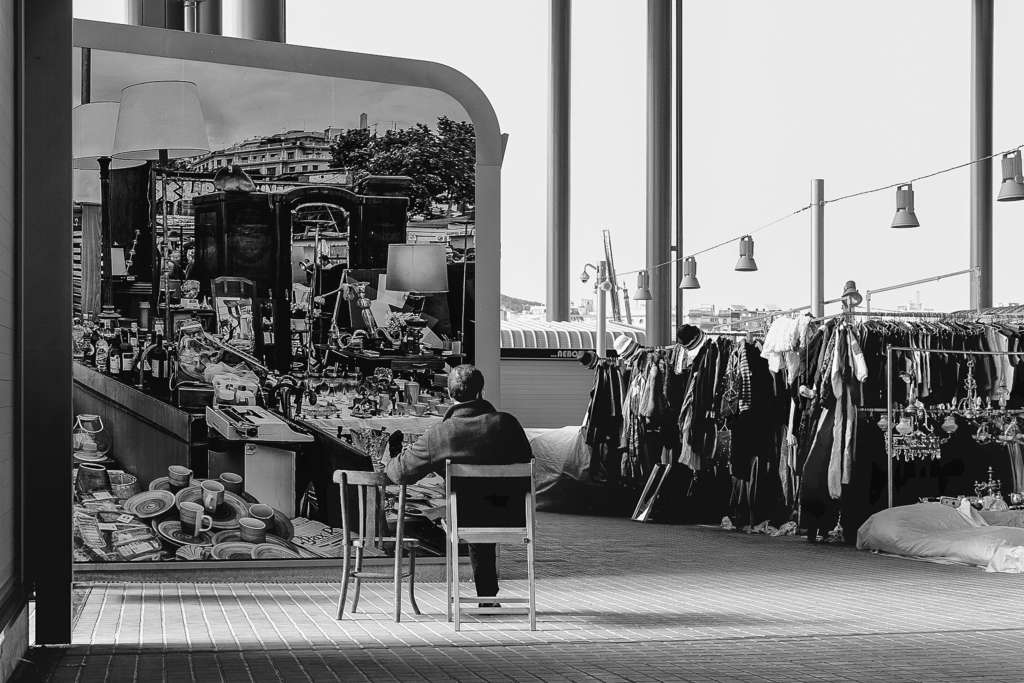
618 601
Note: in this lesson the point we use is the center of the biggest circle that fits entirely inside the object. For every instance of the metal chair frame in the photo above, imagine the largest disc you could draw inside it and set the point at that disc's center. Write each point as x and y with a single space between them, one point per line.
498 535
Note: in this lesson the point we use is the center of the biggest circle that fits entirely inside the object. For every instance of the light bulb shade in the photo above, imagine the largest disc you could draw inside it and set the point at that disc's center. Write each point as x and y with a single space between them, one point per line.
160 115
851 295
643 287
1012 189
905 216
92 136
689 279
746 262
419 268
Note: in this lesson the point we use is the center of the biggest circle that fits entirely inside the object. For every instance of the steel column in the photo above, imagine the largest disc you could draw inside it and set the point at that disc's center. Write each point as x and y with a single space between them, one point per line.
680 314
255 19
982 23
818 247
43 306
156 13
559 107
659 169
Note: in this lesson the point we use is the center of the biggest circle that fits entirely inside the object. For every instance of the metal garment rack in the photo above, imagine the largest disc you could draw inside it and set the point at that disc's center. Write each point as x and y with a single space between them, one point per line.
888 394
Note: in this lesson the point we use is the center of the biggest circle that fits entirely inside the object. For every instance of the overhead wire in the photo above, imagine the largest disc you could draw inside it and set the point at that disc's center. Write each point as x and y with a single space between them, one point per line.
806 207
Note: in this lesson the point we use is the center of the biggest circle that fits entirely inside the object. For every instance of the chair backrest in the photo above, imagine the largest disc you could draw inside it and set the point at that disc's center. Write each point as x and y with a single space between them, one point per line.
478 473
370 490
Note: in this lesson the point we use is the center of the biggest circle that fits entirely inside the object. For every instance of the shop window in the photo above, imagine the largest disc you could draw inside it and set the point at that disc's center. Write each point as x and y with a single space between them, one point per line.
177 495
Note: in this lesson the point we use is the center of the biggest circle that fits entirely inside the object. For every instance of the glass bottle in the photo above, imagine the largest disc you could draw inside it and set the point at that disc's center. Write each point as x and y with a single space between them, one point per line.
102 358
127 355
159 369
114 353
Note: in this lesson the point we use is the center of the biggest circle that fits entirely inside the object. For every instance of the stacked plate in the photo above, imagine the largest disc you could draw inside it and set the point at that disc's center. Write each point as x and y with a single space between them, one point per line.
149 504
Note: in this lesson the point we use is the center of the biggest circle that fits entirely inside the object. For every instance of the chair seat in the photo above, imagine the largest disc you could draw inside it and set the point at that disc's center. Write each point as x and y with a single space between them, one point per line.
493 535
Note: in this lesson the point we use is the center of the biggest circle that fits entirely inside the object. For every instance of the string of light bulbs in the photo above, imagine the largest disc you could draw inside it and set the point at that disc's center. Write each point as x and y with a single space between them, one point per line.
1011 189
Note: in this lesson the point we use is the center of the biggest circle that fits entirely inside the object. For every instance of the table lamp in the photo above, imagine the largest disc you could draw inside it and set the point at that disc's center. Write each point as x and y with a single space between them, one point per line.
92 143
418 269
159 121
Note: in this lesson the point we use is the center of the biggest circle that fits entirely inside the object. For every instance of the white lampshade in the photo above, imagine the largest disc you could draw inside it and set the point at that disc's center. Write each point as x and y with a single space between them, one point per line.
419 268
160 115
92 136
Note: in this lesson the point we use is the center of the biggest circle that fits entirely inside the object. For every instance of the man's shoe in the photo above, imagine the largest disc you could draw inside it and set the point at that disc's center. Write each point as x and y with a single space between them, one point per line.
490 604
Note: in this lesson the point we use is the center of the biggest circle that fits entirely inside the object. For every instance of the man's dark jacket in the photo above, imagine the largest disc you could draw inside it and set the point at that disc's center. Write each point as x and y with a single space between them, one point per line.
472 433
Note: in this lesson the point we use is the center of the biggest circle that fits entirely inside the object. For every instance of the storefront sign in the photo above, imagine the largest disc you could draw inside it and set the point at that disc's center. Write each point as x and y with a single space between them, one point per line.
542 354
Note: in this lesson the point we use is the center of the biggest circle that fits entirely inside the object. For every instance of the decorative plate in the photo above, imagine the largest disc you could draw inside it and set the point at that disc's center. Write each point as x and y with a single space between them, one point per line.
171 532
235 535
191 552
149 504
270 551
281 526
164 484
224 517
233 550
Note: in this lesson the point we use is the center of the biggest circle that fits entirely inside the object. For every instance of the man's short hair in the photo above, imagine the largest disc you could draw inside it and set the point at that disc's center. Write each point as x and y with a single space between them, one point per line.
465 383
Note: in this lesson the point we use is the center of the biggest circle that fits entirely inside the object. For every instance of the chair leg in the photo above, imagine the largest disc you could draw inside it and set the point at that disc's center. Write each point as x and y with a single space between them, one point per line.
448 574
398 583
412 580
345 566
456 603
533 583
359 581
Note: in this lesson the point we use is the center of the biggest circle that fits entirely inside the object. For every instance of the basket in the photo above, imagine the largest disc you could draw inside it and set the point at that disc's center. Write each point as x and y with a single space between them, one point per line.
123 485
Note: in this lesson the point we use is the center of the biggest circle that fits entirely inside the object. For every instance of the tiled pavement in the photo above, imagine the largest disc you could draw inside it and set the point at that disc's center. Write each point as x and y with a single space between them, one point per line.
618 600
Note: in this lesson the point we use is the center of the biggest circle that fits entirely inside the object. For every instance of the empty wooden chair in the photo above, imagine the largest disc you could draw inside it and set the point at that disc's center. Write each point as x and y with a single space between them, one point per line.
460 528
370 489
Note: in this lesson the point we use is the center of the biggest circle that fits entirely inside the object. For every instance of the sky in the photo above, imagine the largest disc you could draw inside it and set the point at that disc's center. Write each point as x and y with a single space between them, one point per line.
775 94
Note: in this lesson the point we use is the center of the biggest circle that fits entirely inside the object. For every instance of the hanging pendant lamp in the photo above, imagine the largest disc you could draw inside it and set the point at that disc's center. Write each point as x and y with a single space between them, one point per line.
1012 189
905 216
746 262
689 279
643 287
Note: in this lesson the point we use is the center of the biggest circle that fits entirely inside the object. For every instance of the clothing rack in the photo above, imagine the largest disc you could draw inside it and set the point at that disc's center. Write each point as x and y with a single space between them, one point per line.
888 394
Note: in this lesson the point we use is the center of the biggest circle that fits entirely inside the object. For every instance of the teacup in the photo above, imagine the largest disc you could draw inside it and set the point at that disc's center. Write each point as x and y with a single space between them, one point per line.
262 512
179 476
253 530
420 409
213 495
232 482
193 519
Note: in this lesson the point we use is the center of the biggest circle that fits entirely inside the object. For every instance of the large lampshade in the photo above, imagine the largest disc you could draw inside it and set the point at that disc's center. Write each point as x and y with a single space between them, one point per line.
419 268
92 136
157 116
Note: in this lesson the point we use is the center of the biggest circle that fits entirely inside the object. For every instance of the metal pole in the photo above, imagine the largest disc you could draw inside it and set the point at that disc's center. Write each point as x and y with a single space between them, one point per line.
86 75
255 19
818 247
106 242
680 315
559 108
659 169
888 417
981 146
602 313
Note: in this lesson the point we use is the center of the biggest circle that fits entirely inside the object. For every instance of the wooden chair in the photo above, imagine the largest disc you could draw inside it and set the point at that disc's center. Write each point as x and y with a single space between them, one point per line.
458 533
370 488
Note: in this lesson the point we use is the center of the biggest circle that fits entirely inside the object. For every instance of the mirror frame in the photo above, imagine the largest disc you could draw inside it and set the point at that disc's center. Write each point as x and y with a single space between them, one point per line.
490 142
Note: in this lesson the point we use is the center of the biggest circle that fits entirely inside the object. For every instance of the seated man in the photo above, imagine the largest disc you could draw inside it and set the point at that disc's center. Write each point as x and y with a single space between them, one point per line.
472 433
